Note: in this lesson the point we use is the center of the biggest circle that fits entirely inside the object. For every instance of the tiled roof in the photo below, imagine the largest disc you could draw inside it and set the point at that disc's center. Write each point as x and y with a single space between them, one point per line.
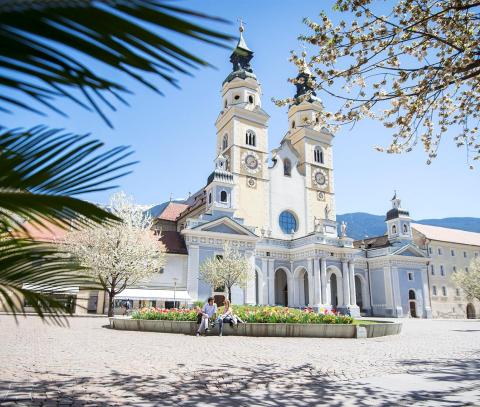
447 234
174 242
169 210
48 233
377 242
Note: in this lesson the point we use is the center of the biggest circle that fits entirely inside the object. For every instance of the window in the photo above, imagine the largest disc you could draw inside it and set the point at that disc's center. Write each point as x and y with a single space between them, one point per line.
236 97
411 294
439 251
410 276
432 268
454 269
287 167
434 290
318 155
223 196
457 292
250 99
210 198
394 229
465 254
250 138
452 252
225 104
444 291
225 141
430 250
288 222
442 271
405 229
293 124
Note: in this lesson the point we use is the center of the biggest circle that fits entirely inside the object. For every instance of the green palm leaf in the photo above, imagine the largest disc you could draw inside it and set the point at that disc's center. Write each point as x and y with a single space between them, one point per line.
30 272
39 40
41 170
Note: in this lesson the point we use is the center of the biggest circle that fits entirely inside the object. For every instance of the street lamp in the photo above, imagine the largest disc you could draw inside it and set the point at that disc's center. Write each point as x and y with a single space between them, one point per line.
174 291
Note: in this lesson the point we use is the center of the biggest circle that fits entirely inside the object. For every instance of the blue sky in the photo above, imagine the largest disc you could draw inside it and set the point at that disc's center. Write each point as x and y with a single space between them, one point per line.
174 136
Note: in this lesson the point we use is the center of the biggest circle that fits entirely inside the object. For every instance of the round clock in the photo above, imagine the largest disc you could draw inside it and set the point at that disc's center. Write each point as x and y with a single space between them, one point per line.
320 178
251 162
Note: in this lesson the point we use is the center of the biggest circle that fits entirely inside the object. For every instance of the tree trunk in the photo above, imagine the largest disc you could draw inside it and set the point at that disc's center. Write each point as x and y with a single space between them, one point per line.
111 309
229 294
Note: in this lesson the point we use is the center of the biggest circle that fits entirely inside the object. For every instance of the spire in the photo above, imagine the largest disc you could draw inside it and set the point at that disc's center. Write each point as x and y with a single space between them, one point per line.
240 58
304 81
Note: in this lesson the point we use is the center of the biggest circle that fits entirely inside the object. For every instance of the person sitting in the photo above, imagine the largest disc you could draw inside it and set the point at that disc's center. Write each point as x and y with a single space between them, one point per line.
227 317
209 311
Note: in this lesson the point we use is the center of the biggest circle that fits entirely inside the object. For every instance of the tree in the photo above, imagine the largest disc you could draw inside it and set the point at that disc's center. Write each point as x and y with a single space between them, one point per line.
469 281
232 268
414 67
46 55
119 255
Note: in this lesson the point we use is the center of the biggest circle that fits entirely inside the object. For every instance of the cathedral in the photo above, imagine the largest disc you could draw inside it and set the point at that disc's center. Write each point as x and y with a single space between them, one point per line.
277 207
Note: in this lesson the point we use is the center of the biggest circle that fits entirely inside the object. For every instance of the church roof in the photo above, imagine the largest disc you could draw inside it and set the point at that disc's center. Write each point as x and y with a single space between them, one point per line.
169 210
377 242
447 234
396 212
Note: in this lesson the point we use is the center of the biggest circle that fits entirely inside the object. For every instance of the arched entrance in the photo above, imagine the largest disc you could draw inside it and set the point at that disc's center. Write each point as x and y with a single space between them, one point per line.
281 287
333 291
359 292
412 303
301 288
471 314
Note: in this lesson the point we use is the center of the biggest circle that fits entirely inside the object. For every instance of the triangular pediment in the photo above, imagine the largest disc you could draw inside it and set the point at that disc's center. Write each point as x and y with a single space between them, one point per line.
410 250
225 225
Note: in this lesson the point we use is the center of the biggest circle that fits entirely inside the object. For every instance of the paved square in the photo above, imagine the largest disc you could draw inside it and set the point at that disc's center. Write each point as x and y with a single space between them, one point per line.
433 362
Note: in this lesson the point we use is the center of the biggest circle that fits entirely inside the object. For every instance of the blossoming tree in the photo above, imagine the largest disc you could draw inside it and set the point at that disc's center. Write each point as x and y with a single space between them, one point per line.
413 65
120 254
469 281
232 268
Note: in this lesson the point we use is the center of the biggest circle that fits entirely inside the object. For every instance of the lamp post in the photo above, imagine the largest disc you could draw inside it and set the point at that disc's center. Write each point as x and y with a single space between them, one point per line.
174 291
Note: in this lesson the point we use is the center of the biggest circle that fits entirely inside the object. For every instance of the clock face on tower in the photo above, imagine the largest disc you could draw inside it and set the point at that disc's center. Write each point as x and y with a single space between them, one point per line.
251 162
320 178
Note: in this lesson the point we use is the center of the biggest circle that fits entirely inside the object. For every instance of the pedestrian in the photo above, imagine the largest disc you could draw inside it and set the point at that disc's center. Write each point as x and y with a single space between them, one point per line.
226 317
209 312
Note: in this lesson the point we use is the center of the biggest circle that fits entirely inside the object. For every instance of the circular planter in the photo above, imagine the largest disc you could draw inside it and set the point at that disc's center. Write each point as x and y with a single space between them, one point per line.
260 329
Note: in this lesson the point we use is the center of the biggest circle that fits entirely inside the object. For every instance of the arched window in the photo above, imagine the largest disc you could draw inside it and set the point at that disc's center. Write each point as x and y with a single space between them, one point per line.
210 198
288 222
293 124
225 141
250 138
318 155
223 196
287 167
225 104
394 229
411 294
405 229
250 99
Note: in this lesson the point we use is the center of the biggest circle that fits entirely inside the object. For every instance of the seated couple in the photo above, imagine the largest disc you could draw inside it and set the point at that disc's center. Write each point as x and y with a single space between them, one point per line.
209 313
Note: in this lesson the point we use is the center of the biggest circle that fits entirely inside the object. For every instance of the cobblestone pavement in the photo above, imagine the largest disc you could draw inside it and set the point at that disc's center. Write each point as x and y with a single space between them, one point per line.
433 362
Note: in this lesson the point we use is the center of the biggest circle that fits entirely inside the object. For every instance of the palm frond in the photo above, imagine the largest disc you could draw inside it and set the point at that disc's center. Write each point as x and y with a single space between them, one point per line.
42 169
30 272
38 38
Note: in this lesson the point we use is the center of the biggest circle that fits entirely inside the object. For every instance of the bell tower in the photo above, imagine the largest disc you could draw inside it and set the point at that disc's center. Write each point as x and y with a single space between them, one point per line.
313 142
242 136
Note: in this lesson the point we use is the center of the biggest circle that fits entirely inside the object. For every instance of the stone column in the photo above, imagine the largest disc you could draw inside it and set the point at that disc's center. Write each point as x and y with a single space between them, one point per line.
271 282
426 295
318 287
323 278
346 284
351 275
264 283
311 282
250 290
192 279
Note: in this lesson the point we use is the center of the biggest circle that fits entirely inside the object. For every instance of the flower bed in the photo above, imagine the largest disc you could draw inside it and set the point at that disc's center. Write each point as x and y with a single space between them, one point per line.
251 314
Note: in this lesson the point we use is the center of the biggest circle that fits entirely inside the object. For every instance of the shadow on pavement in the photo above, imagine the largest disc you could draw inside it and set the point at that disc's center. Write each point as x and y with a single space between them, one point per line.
227 384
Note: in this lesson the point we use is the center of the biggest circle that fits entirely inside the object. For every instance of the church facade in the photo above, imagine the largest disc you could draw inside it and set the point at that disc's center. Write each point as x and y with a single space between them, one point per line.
278 208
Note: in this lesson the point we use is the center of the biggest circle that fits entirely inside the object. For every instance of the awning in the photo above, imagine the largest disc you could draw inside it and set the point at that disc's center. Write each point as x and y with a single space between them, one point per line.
145 294
51 289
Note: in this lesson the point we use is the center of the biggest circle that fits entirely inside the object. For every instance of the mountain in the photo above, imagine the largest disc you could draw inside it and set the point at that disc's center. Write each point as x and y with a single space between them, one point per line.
361 225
